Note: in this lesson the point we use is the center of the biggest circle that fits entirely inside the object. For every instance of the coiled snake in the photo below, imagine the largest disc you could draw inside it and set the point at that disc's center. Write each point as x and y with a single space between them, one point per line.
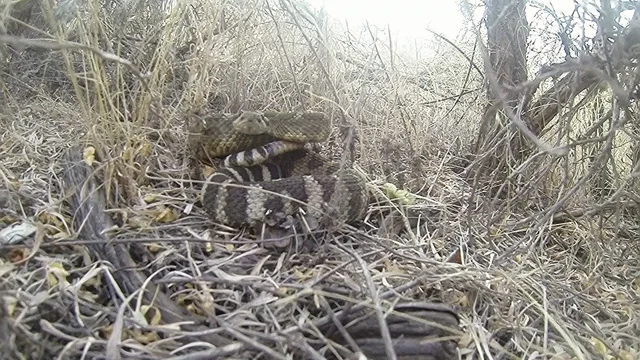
267 172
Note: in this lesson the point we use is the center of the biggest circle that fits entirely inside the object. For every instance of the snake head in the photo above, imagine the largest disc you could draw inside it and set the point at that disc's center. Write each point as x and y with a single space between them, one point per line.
251 123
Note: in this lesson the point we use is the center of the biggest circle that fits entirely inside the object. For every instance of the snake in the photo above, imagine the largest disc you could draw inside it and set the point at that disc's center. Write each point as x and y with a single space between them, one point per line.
267 172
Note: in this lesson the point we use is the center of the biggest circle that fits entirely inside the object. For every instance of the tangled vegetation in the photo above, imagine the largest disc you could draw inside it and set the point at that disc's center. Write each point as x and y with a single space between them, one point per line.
517 197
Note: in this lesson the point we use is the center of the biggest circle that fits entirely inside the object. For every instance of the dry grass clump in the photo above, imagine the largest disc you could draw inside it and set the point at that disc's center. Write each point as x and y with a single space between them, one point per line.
569 291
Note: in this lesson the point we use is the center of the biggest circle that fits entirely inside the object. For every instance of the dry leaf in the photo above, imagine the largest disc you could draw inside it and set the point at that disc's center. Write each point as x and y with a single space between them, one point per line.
8 219
50 219
165 215
94 281
207 171
154 248
56 273
181 299
126 154
456 257
600 347
194 309
145 337
403 196
89 296
138 316
152 314
18 255
10 303
393 268
56 225
13 185
5 268
629 355
465 340
303 275
188 208
139 222
462 301
208 305
145 150
12 181
62 235
106 331
284 291
89 155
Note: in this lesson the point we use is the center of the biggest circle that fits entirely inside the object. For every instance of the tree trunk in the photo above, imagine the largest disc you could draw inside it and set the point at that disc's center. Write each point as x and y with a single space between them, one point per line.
507 33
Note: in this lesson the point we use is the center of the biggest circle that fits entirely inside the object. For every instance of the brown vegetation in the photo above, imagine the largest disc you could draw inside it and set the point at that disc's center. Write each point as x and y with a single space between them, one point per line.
520 208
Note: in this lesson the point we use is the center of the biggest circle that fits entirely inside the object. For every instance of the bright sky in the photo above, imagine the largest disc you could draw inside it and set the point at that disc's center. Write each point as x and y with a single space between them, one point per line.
411 17
404 16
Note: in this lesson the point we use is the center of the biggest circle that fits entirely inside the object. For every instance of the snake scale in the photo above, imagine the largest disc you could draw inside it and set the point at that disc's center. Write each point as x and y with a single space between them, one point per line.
267 171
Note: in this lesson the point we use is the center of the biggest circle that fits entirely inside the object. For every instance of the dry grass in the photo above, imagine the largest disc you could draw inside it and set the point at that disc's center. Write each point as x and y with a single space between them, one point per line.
568 291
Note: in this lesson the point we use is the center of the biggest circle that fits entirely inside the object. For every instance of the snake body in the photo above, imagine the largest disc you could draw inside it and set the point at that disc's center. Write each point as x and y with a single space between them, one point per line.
267 172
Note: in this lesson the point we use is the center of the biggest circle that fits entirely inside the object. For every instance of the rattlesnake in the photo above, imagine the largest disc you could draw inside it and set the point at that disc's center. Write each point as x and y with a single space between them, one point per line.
267 171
